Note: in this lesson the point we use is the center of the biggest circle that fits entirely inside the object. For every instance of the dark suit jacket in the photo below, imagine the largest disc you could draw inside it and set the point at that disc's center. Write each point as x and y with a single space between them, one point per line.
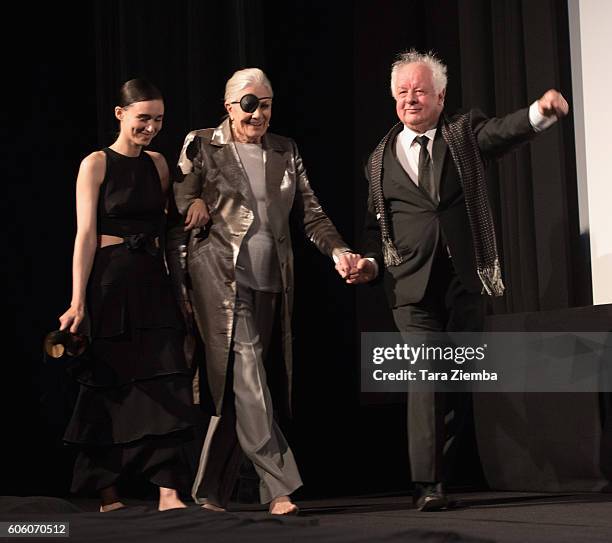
418 225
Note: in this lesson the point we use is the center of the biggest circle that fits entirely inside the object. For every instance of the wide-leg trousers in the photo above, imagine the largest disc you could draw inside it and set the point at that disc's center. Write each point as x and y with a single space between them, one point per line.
247 425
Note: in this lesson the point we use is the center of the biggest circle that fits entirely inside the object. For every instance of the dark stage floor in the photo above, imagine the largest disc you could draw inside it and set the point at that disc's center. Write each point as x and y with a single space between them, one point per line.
485 516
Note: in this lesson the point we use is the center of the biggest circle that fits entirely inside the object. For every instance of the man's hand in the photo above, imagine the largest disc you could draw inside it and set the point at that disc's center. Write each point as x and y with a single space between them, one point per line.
365 272
552 104
197 214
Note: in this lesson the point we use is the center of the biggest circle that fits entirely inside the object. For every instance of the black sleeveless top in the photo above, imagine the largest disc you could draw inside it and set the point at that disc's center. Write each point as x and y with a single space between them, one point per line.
131 199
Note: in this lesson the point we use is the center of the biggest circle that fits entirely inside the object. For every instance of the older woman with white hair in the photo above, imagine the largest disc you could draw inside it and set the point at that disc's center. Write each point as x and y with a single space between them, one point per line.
244 182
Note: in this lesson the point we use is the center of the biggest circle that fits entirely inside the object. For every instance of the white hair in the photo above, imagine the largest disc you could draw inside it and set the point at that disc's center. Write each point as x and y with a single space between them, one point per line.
437 67
249 77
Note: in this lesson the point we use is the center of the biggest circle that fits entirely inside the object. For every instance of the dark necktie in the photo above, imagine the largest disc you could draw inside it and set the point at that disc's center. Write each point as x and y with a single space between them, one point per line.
426 174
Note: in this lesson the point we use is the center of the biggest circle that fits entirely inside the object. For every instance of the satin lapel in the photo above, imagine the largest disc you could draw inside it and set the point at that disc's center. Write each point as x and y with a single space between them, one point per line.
227 160
438 156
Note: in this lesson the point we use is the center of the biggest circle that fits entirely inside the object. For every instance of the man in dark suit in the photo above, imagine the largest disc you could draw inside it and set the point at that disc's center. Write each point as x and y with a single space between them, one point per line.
429 233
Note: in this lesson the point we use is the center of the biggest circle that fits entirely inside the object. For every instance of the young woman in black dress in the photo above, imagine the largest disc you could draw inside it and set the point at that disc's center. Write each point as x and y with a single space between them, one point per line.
133 410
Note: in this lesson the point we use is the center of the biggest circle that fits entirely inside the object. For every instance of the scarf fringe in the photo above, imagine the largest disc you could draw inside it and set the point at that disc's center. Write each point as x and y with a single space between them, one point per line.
390 254
491 279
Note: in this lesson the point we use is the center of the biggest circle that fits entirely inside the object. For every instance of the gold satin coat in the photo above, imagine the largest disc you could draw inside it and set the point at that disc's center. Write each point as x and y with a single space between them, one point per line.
213 171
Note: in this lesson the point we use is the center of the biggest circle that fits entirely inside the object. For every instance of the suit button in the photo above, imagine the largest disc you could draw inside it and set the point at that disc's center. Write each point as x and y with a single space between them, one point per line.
281 239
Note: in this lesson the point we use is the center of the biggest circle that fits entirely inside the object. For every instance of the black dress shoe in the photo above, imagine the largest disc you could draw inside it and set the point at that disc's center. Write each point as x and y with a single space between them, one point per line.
430 497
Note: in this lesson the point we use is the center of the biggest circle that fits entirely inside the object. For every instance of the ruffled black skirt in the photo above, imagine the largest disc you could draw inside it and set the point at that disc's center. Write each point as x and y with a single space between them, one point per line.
134 408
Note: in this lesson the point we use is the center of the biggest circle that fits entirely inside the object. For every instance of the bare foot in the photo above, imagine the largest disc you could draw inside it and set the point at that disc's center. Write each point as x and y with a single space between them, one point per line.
212 507
168 499
283 506
111 507
110 501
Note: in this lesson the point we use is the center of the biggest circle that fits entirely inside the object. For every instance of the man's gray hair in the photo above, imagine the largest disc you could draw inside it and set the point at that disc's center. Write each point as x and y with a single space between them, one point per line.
249 77
437 67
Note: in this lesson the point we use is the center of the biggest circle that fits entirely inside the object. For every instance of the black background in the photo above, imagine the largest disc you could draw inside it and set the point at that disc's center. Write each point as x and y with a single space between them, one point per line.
329 64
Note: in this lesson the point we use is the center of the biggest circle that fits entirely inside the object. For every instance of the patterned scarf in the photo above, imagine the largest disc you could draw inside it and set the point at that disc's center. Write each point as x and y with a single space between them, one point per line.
464 150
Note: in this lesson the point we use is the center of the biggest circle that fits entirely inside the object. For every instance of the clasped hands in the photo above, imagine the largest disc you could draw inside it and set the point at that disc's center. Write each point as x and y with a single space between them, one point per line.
355 269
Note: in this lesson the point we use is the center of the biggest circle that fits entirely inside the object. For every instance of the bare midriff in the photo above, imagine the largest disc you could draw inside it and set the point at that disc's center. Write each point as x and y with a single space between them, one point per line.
104 240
